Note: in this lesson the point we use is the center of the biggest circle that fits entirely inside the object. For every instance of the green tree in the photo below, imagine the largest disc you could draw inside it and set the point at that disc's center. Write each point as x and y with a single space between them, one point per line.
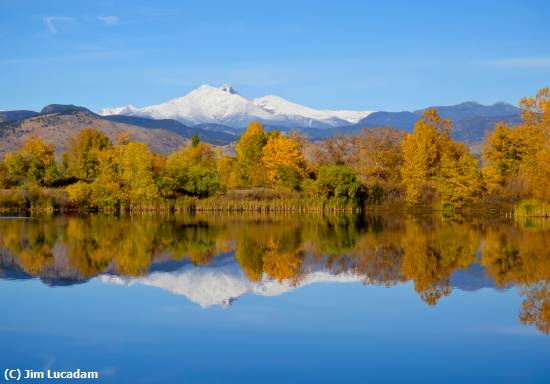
199 181
193 171
195 140
338 182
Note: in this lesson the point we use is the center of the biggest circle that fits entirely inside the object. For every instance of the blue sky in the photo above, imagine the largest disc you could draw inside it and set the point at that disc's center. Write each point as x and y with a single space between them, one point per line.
383 55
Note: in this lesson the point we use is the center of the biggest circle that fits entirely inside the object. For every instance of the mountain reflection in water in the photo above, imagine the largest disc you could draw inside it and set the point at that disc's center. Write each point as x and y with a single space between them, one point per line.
213 259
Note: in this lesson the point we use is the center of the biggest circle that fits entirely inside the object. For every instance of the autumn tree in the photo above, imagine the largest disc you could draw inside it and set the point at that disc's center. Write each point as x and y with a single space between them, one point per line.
336 150
82 153
280 263
30 244
539 175
193 170
521 258
125 175
106 190
283 159
34 163
432 254
380 155
508 153
535 309
136 172
225 167
423 151
249 253
459 180
249 150
515 156
536 116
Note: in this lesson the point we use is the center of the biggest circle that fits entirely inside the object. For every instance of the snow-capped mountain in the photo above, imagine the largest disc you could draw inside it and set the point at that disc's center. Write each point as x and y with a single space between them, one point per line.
223 281
225 106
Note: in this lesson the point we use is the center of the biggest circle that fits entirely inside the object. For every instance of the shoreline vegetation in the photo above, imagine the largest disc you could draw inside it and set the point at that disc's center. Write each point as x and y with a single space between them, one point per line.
380 169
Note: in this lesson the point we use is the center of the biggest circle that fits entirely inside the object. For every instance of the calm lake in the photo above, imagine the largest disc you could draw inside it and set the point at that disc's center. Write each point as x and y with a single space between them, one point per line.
216 298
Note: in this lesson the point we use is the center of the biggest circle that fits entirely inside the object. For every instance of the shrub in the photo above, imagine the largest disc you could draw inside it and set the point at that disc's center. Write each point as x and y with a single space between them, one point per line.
338 182
79 193
199 181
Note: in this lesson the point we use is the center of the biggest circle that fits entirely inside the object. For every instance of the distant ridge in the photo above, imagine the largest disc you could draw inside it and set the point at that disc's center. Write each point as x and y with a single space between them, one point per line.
471 120
58 124
6 116
211 136
55 123
64 108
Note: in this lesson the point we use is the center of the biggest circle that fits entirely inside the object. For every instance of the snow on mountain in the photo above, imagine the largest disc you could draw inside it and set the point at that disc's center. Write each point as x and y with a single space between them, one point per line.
225 106
282 107
224 282
126 110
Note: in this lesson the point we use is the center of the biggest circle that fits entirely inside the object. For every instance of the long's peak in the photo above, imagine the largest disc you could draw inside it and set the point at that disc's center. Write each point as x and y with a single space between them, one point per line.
224 88
205 86
228 88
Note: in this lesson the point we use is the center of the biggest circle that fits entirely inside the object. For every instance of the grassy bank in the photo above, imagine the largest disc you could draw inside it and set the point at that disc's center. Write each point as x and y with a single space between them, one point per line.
261 200
56 200
532 208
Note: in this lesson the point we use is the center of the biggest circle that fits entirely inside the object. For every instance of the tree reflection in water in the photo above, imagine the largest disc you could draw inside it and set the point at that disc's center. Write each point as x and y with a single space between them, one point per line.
425 250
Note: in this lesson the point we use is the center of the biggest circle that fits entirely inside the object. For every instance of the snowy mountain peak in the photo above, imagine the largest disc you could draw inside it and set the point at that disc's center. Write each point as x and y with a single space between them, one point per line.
223 105
228 88
223 281
126 110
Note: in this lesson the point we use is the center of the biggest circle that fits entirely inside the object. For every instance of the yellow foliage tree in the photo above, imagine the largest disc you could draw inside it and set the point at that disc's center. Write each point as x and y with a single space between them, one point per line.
81 155
249 150
34 163
380 155
431 255
281 265
459 181
423 151
201 154
136 173
283 159
515 156
539 175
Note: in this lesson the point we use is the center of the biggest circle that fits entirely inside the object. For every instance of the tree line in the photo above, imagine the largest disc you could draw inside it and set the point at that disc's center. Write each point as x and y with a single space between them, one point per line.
425 168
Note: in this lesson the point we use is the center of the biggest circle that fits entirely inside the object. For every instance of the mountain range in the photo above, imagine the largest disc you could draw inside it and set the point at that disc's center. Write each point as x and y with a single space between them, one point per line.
55 124
223 281
219 115
471 120
225 106
224 109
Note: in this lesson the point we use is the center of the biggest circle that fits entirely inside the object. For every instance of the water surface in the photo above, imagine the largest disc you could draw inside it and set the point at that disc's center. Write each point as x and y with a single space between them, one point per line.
283 298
